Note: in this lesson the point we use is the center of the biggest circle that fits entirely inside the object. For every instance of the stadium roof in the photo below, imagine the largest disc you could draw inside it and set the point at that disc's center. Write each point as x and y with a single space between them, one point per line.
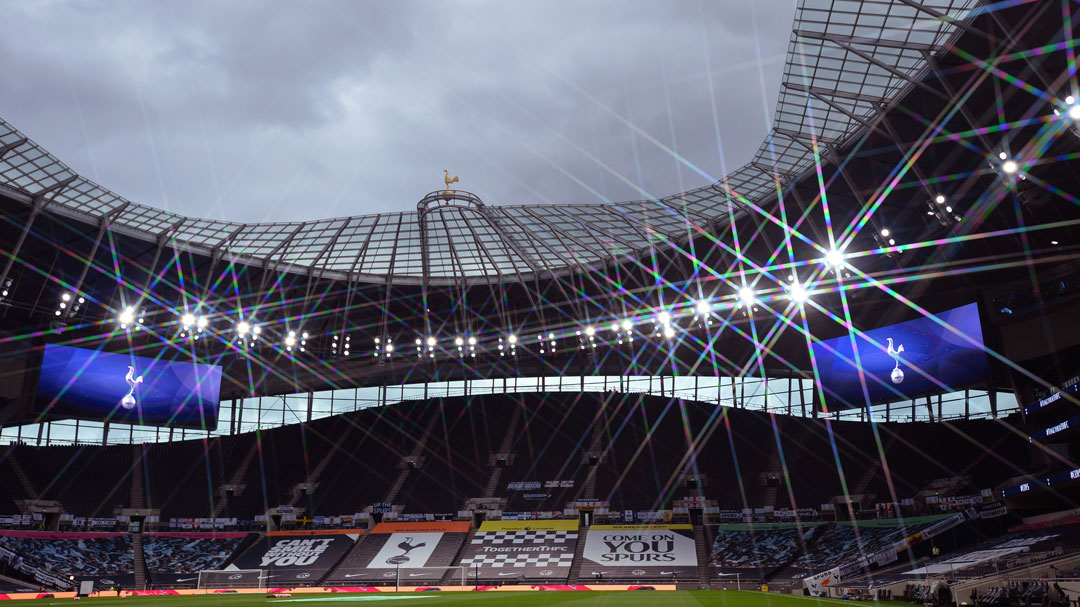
846 62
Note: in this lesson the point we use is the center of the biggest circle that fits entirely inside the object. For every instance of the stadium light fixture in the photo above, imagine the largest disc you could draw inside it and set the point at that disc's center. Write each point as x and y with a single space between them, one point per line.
664 317
126 317
512 339
940 199
243 327
885 232
835 258
669 332
798 293
746 296
1071 109
627 325
703 307
187 320
590 331
431 341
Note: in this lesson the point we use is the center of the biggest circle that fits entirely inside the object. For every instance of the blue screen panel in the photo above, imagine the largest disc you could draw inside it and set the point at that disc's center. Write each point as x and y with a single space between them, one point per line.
934 358
88 384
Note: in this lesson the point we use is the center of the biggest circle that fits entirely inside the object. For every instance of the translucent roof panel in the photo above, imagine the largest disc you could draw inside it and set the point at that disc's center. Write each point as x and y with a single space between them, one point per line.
845 59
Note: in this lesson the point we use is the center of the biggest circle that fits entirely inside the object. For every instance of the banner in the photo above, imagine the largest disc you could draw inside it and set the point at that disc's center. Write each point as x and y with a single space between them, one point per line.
548 525
815 583
314 532
516 551
431 526
992 510
417 552
634 552
290 559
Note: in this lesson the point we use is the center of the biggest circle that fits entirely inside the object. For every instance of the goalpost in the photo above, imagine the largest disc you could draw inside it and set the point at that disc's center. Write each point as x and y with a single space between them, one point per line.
398 579
234 578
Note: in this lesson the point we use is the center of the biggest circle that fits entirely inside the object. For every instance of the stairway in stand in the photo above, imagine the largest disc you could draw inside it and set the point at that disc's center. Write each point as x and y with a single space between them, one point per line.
453 576
237 479
345 559
701 543
138 493
140 559
20 474
594 447
504 447
416 453
138 500
579 557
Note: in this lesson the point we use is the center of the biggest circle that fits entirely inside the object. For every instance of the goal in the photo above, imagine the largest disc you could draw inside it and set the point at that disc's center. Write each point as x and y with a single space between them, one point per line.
402 579
235 578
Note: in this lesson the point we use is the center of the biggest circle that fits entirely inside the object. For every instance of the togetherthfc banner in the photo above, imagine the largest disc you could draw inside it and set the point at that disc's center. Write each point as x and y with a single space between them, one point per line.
514 551
631 552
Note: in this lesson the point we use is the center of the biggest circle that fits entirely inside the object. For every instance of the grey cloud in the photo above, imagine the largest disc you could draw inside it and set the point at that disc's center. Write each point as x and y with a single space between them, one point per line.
257 111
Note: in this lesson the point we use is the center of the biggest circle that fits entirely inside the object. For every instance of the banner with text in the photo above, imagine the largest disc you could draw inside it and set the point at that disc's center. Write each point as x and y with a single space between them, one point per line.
515 551
634 552
295 559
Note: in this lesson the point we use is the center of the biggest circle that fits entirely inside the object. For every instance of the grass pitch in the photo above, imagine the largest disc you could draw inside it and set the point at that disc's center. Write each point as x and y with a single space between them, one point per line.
679 598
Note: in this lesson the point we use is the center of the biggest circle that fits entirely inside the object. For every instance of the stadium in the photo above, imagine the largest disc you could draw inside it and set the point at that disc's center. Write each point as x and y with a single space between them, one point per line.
846 370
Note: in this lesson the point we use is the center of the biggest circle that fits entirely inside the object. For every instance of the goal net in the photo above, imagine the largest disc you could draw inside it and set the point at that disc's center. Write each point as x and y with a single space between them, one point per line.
402 577
235 578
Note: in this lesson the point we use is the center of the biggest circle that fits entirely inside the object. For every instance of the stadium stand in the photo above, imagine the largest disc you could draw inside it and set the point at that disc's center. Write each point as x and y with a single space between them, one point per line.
188 553
83 555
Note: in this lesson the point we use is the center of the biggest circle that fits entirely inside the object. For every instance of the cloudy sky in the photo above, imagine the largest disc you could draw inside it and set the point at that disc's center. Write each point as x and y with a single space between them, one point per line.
273 111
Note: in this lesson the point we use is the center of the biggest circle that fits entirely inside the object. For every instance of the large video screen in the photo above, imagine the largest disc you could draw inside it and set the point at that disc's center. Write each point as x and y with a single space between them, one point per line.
904 360
88 384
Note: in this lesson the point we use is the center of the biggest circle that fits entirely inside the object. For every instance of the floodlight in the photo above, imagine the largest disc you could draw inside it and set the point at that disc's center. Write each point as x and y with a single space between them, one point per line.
243 327
746 296
590 331
834 258
512 338
703 307
627 325
798 294
126 316
664 317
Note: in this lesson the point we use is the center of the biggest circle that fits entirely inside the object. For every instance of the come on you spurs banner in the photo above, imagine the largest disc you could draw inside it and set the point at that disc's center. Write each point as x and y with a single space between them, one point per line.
634 552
